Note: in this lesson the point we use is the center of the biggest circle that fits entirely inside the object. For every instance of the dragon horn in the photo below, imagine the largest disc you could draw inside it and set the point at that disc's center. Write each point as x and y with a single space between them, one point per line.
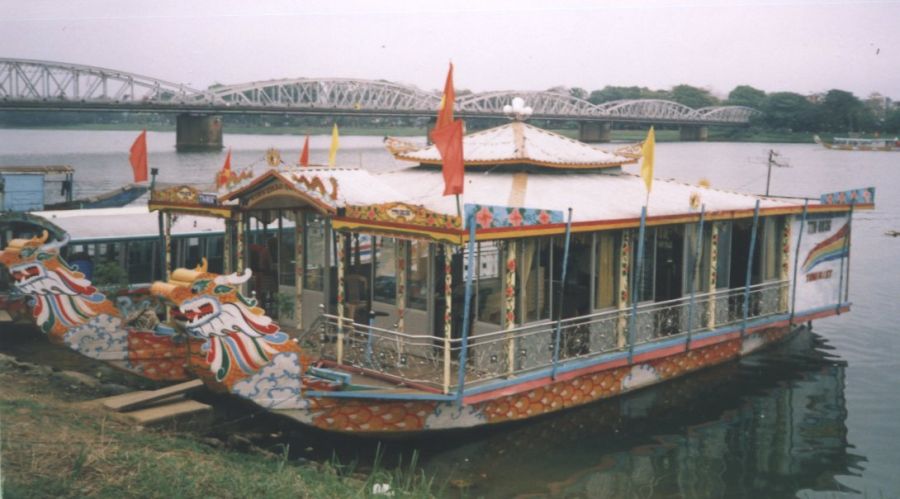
235 278
57 245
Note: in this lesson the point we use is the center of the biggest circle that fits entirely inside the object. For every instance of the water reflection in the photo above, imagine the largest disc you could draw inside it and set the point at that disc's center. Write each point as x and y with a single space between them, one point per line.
769 426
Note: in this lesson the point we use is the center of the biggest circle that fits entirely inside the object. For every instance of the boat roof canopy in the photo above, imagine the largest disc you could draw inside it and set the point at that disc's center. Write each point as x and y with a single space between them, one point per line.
37 169
130 222
516 143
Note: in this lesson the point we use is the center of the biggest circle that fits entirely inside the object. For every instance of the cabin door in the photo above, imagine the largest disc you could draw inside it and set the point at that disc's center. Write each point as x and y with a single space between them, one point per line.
668 276
740 246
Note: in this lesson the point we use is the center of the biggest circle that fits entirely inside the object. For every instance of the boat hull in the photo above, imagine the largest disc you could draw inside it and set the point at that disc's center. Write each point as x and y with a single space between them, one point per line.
528 399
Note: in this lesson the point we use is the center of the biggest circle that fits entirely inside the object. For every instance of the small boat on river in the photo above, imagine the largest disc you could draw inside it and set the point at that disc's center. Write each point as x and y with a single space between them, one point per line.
27 188
859 144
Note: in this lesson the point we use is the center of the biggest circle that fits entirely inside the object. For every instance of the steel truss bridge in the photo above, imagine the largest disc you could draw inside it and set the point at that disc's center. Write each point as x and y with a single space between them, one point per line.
55 86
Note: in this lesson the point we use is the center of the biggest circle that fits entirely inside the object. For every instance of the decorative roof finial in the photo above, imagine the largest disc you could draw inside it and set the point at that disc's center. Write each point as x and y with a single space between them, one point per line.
518 111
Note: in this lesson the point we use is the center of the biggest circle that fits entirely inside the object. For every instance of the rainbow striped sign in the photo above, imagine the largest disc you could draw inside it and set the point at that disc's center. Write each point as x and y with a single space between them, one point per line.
833 248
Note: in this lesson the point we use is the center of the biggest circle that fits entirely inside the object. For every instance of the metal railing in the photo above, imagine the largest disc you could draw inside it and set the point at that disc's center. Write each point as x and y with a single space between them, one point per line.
419 358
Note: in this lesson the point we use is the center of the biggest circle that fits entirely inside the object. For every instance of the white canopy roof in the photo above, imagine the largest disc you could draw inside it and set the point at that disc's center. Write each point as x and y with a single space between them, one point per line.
124 223
516 143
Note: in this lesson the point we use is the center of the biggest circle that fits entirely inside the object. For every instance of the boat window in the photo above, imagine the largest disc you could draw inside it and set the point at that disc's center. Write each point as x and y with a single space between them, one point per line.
740 245
488 288
141 257
314 252
417 276
287 251
607 269
577 290
385 287
534 283
215 248
192 254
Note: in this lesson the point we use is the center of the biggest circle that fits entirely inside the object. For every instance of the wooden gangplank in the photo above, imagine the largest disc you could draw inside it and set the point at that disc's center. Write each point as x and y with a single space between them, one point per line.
133 400
155 406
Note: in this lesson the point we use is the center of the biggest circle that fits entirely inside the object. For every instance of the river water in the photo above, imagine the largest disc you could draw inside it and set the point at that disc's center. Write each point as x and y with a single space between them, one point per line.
816 417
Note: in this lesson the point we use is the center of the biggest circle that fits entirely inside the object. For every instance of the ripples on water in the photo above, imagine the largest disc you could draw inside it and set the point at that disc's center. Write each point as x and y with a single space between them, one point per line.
815 417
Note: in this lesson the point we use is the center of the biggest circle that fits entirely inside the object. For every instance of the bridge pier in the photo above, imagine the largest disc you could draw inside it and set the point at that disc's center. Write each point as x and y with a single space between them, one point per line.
198 132
694 133
594 131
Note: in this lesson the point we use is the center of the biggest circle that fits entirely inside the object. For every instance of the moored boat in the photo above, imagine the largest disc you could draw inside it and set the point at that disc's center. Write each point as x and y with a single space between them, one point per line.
860 144
545 286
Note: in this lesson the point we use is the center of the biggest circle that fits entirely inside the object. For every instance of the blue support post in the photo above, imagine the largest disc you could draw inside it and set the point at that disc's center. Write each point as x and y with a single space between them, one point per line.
750 268
692 275
797 262
464 349
846 254
562 285
638 267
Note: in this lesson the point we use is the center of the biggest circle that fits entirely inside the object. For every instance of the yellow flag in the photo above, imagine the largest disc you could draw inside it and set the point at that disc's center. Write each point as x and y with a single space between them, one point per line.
332 152
647 163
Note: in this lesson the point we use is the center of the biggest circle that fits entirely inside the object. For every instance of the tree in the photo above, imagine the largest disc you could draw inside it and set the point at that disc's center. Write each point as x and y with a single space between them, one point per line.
745 95
892 122
610 93
579 93
692 96
843 111
788 111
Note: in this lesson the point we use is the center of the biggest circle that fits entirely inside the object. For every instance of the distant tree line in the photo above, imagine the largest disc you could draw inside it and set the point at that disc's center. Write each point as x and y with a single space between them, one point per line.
835 111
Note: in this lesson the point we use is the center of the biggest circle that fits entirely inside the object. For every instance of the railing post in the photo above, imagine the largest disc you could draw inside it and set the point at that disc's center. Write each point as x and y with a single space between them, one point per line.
511 261
750 269
299 268
713 274
464 347
636 282
562 285
846 255
339 242
797 262
448 310
692 275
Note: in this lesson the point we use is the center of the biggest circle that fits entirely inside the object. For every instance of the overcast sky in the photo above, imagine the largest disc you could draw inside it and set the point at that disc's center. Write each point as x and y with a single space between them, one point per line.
798 46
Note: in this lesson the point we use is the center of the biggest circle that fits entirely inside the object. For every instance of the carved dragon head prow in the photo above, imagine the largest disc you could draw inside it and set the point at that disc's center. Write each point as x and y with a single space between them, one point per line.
239 337
63 297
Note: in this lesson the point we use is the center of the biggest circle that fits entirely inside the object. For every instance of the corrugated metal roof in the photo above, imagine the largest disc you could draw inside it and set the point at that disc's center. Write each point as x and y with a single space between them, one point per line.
516 143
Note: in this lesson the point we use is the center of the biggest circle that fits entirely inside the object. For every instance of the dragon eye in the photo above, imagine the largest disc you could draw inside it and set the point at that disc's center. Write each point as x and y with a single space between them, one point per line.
221 290
199 286
44 256
26 252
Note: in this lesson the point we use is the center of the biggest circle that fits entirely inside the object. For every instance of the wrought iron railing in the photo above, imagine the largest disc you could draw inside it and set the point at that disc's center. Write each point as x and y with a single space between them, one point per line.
420 358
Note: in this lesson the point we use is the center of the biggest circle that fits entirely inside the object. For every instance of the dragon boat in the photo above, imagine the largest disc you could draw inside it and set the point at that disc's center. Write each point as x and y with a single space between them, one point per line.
391 309
124 331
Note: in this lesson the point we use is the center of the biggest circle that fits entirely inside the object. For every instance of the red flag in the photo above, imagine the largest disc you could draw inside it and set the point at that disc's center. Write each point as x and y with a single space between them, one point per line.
304 156
225 173
138 157
447 136
445 113
449 141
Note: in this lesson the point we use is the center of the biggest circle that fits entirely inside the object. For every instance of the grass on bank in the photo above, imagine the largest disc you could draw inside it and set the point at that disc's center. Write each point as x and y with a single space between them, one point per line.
52 447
